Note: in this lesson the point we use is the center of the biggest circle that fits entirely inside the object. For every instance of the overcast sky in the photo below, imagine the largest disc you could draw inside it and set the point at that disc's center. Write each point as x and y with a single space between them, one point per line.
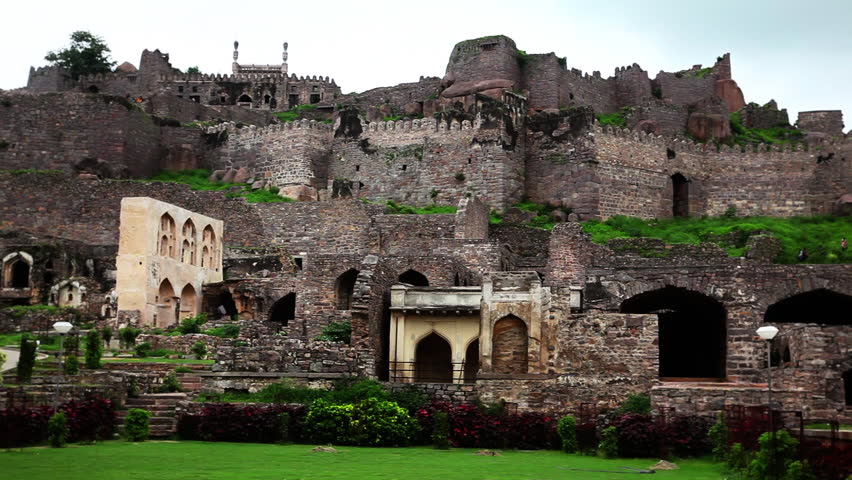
799 53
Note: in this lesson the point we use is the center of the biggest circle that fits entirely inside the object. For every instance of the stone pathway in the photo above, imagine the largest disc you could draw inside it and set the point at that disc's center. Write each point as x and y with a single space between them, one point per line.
11 359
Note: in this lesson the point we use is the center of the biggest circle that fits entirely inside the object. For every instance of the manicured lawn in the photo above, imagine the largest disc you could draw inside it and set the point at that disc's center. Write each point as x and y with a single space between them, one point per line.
229 461
158 360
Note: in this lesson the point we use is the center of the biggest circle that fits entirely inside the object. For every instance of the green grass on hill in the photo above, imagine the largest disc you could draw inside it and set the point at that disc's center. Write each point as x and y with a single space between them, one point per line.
246 461
294 113
198 179
820 235
781 134
393 208
158 360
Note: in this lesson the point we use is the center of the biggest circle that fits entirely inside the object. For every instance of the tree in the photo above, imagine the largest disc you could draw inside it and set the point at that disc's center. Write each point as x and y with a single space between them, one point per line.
87 54
26 360
94 349
192 70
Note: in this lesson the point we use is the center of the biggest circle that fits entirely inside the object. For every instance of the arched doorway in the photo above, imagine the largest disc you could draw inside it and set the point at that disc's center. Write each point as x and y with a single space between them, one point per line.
244 100
680 195
510 345
415 278
820 306
166 314
847 386
344 286
187 301
471 362
284 309
19 274
433 360
227 306
692 337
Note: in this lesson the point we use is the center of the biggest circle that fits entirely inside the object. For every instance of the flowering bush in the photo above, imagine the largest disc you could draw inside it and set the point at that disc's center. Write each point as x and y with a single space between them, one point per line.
371 422
471 428
87 420
226 422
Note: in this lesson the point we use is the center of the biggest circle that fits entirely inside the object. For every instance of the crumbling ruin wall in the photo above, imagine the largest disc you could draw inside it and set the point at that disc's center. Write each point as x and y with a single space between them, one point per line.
588 90
281 354
396 98
423 162
293 153
88 210
52 131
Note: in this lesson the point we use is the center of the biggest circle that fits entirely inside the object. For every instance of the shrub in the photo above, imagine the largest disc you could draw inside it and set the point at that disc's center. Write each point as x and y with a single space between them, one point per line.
409 397
567 429
136 425
128 335
71 344
26 360
89 419
638 403
142 350
170 384
336 332
199 349
441 431
688 436
192 324
799 470
284 426
106 334
94 349
460 176
372 422
71 365
638 436
738 458
587 437
57 430
2 361
609 442
770 462
718 435
182 369
226 422
225 331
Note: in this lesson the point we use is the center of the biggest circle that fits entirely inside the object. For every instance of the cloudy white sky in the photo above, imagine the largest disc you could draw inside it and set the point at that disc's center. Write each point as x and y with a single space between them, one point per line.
799 53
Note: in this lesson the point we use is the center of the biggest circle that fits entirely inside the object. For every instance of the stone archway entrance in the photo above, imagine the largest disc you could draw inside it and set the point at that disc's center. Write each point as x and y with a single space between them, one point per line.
284 309
692 332
680 195
510 346
433 360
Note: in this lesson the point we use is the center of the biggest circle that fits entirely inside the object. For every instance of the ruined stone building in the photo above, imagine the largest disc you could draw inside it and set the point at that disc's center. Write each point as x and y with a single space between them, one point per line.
545 319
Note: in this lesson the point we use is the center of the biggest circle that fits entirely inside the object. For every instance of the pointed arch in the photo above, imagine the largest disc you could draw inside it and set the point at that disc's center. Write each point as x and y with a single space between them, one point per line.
344 287
413 277
17 269
510 346
433 360
692 338
680 195
188 234
166 314
471 361
209 250
168 237
820 306
188 301
284 309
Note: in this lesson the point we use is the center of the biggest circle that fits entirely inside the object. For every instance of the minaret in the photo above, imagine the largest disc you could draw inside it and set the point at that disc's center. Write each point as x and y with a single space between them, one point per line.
235 67
284 58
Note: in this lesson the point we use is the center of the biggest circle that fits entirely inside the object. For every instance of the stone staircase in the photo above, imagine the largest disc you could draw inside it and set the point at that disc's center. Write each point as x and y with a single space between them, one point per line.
190 382
162 407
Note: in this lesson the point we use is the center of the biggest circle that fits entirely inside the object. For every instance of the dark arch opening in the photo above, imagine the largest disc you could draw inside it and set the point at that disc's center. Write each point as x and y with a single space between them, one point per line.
20 274
93 89
510 346
415 278
244 99
344 287
284 309
820 306
680 195
384 337
847 386
471 362
456 280
226 303
433 360
692 331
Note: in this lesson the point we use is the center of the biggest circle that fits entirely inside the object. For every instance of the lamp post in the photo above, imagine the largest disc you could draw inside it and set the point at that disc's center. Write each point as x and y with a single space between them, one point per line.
62 328
768 333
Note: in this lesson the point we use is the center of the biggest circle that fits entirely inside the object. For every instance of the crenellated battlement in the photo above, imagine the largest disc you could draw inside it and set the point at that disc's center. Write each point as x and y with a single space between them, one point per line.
255 131
246 77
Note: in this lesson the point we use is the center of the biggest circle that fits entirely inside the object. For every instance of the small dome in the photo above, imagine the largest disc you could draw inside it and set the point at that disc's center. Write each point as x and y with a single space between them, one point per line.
126 67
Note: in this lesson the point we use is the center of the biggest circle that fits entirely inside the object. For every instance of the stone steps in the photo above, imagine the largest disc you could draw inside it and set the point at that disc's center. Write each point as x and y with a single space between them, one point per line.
162 407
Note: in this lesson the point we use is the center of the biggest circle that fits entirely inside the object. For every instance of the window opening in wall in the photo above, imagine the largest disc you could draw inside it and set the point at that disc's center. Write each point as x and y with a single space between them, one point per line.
471 362
194 89
415 278
680 195
345 287
820 306
299 262
315 98
93 89
670 154
266 99
293 100
456 280
284 309
195 98
486 47
682 354
221 99
357 168
433 360
847 386
19 273
404 167
315 88
244 99
180 88
469 161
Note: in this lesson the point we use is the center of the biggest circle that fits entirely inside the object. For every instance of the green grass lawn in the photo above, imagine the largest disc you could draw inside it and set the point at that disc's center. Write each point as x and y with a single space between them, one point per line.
229 461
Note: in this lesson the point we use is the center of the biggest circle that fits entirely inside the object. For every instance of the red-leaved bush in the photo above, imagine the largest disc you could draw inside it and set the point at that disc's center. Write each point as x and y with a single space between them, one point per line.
226 422
88 420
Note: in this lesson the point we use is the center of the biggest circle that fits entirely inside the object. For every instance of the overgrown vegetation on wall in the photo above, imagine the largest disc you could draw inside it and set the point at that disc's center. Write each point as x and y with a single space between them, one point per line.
199 179
781 134
819 235
616 119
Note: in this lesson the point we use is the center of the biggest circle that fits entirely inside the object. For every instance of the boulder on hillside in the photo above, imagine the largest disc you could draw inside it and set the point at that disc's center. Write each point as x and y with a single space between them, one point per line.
730 92
708 126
